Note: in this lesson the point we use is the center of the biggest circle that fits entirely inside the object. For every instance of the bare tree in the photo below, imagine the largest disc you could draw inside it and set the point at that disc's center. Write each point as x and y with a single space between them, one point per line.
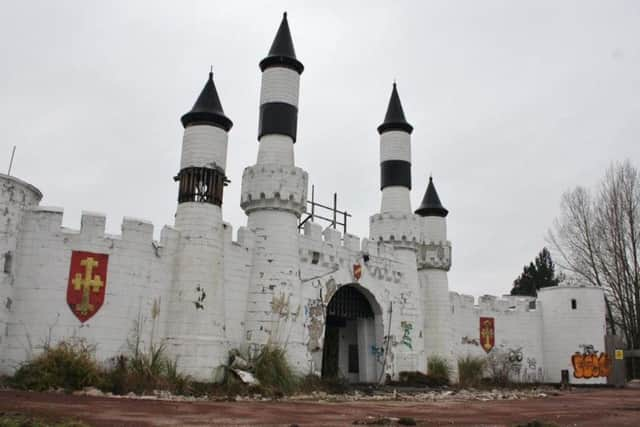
598 239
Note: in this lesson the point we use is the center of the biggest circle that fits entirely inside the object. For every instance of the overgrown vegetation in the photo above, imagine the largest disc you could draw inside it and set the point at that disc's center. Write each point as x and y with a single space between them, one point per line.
145 371
499 368
438 370
69 365
273 371
470 370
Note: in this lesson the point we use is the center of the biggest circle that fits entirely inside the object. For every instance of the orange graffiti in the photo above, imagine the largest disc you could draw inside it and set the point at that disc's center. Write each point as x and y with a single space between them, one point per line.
590 365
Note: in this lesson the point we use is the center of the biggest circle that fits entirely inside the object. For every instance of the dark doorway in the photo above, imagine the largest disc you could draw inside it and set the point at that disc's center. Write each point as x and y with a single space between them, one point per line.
348 328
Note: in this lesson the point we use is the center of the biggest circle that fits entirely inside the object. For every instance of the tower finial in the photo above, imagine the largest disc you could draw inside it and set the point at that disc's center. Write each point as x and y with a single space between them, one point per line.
282 53
211 71
394 119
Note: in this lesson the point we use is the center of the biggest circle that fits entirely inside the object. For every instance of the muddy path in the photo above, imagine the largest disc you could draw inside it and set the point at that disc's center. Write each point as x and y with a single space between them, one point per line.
584 407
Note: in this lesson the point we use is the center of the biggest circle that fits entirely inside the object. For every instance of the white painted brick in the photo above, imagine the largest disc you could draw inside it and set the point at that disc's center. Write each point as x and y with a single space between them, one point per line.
395 145
395 198
280 85
276 149
204 146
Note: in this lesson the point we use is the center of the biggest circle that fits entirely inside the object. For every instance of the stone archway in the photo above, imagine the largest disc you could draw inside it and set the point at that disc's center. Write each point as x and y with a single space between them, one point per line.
353 331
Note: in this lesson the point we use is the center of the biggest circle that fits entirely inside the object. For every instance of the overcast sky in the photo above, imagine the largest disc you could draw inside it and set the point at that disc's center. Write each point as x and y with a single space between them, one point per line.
513 102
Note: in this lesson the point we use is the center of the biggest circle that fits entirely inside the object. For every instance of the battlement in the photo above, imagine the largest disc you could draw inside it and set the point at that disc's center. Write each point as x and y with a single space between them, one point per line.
435 254
274 187
48 220
397 228
245 238
330 249
492 303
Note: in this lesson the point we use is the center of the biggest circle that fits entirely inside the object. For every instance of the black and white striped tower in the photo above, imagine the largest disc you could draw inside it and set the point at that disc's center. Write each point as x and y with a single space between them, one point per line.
274 195
278 123
396 224
196 329
395 158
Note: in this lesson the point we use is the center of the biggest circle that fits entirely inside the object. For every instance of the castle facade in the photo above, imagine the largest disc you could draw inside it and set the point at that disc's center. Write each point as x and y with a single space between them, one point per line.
361 308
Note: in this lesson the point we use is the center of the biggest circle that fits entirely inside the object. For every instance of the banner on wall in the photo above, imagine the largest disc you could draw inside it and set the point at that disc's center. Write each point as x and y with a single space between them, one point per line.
487 333
357 271
87 283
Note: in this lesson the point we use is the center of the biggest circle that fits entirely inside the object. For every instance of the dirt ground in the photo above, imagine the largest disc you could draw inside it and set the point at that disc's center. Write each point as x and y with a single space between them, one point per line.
581 407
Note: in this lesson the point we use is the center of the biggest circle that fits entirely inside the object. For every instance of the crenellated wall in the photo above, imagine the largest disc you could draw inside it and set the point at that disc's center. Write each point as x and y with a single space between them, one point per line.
518 331
139 274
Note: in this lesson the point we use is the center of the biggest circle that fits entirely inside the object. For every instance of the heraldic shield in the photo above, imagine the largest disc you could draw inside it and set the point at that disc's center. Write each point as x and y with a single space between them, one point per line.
487 333
87 283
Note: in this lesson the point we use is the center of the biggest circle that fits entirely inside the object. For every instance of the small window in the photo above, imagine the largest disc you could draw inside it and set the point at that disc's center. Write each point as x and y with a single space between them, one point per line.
574 304
7 262
315 257
532 305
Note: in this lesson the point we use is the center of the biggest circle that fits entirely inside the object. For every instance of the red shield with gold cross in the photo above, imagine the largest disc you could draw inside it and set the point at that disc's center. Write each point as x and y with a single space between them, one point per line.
87 283
357 271
487 333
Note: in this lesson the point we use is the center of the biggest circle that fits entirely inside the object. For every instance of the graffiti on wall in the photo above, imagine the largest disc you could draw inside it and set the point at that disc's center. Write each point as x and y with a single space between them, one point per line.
472 341
589 364
406 334
487 333
515 359
378 353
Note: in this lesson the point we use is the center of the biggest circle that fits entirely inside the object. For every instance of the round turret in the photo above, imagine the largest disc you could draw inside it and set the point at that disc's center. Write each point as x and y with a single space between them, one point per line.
16 196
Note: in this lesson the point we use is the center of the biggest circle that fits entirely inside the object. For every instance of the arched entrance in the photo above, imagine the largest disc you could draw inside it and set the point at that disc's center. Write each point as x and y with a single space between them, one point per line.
353 320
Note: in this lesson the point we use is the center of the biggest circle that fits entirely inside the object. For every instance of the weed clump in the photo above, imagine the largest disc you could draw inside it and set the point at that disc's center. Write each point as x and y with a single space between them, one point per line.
470 370
438 370
70 365
146 371
274 372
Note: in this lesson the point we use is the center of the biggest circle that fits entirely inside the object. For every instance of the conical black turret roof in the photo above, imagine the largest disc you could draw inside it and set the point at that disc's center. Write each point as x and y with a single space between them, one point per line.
207 109
282 53
431 205
394 119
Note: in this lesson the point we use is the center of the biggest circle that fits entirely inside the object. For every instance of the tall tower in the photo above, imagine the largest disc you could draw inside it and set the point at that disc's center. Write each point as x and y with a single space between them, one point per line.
274 195
196 307
396 224
395 158
434 261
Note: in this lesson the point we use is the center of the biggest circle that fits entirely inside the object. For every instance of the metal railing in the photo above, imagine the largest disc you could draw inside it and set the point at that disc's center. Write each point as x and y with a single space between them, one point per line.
332 211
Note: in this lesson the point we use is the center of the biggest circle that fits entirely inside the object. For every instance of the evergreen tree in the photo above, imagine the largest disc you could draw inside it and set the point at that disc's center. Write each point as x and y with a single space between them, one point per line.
538 274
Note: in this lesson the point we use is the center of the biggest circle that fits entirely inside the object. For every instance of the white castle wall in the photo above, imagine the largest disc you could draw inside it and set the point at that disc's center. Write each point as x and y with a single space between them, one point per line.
518 331
15 197
138 277
566 330
196 309
237 274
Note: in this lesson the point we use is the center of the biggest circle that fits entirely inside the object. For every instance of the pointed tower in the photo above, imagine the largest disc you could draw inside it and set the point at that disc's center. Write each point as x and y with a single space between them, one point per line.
274 195
434 261
395 157
396 224
195 327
